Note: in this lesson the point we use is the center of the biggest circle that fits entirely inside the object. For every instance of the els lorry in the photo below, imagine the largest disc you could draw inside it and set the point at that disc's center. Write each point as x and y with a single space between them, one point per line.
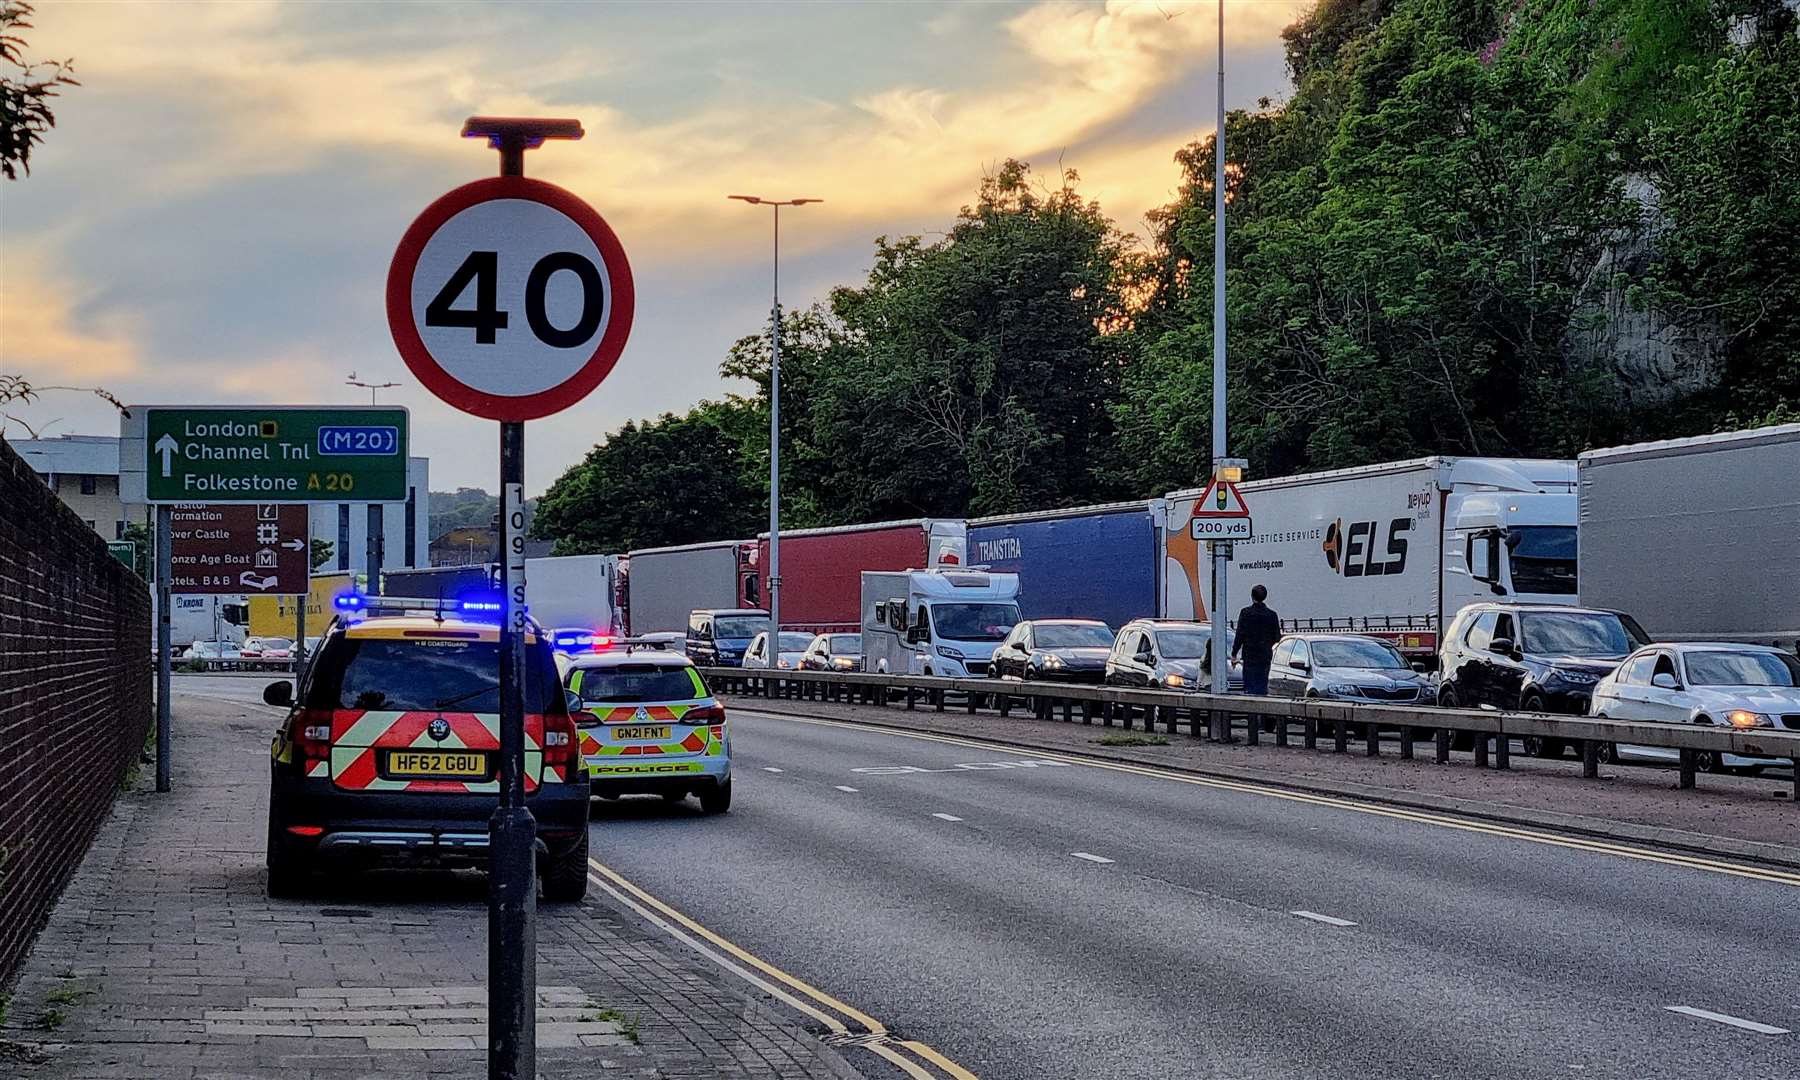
1392 550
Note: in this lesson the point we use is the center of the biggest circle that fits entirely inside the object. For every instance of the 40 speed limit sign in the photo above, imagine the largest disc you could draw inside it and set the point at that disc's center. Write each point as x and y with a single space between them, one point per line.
510 298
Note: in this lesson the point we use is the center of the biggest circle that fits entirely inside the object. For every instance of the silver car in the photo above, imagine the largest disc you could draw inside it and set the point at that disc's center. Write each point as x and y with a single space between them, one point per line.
1167 654
1344 667
1700 682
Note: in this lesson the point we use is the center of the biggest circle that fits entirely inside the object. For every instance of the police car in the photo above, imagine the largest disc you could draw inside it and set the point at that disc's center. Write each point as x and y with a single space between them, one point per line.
649 725
391 748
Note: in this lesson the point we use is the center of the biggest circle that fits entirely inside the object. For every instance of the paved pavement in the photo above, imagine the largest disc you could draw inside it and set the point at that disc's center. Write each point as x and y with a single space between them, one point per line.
165 959
1035 919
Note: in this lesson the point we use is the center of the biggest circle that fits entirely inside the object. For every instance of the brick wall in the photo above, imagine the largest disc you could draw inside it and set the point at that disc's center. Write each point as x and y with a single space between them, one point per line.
75 695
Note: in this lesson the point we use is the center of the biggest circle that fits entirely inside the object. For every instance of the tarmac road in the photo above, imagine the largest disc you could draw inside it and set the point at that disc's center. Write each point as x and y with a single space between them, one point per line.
1031 918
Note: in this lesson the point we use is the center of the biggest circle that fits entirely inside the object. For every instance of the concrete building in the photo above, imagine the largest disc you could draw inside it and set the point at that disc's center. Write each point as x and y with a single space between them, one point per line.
83 470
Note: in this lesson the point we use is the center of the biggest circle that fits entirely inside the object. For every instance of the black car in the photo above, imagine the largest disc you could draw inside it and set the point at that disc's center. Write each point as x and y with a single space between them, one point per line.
717 637
1057 650
1532 658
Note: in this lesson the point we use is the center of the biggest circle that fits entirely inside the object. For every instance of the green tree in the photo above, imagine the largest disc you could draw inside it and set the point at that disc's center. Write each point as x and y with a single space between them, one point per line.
673 480
26 88
322 552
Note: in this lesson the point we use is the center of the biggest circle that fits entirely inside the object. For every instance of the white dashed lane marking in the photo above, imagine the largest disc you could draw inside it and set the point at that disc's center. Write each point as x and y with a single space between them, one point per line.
946 817
1090 857
846 787
771 768
1328 920
1733 1021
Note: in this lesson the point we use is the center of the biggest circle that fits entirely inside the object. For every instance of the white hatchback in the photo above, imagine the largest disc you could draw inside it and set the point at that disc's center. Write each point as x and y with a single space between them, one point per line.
1722 683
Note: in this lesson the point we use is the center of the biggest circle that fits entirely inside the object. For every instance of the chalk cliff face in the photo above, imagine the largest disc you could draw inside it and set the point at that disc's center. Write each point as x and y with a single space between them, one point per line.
1653 358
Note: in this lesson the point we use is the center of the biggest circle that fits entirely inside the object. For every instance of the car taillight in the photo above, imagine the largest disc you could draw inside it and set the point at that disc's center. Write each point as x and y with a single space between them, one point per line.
560 742
705 714
311 734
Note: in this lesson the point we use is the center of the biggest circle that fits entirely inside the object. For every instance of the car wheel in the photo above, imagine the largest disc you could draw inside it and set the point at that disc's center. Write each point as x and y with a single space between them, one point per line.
1534 745
716 799
566 875
1447 698
289 870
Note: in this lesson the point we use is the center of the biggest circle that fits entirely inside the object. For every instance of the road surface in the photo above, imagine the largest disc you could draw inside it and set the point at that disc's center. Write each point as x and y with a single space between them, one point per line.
1028 918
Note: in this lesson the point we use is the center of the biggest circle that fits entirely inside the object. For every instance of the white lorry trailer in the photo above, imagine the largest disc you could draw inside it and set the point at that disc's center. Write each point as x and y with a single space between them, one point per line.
935 622
1698 539
575 591
1392 550
665 584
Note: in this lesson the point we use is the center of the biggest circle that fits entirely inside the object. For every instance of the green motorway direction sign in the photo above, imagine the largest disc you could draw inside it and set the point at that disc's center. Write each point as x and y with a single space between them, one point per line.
273 454
123 550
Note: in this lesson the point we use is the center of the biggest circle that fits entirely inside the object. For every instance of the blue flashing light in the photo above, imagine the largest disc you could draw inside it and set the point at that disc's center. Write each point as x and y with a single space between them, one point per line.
479 605
351 602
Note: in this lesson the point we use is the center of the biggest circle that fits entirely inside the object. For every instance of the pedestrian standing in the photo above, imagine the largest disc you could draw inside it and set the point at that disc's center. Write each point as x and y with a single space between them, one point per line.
1258 628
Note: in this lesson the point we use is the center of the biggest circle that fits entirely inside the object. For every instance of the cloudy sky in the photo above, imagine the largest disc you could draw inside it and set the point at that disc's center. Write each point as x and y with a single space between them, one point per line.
212 219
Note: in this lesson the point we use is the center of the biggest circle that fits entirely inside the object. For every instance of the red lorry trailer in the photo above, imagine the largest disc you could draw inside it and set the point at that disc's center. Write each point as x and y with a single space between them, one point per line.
821 569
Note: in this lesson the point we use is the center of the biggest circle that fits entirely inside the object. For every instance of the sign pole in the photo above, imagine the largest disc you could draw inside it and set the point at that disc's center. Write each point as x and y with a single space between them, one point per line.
476 348
300 626
372 552
164 631
1220 683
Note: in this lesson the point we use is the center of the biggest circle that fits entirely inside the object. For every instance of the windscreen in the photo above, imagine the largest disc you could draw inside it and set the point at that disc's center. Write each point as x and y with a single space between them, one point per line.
1573 633
639 682
1357 654
1543 558
401 674
846 644
974 622
277 643
1742 669
795 641
1183 644
1072 636
740 626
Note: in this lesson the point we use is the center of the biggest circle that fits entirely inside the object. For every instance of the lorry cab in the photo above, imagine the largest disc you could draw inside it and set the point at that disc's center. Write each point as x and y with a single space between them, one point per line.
1517 545
717 637
936 622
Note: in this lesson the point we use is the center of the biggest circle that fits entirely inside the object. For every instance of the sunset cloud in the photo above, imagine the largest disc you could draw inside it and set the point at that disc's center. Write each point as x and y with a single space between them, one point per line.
226 186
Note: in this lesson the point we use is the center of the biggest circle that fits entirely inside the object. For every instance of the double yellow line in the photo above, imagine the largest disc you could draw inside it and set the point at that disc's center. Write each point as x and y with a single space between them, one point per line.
849 1026
1535 836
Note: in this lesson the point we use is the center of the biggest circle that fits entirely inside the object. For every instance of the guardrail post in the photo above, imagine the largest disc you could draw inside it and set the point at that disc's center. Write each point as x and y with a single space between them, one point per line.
1106 713
1068 708
1442 739
1253 729
937 700
1340 736
1371 739
1795 762
1310 727
1590 758
1502 751
1481 749
1407 735
1687 769
911 698
1193 719
1172 714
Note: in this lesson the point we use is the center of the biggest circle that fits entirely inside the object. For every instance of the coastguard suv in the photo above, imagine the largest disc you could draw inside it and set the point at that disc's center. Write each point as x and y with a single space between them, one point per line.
392 744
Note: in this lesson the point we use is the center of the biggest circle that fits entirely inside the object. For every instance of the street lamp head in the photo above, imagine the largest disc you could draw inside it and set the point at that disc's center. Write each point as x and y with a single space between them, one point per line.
521 131
758 200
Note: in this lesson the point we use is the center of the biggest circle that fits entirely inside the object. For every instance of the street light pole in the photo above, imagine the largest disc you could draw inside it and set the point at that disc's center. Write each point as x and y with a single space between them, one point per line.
1220 548
369 386
773 572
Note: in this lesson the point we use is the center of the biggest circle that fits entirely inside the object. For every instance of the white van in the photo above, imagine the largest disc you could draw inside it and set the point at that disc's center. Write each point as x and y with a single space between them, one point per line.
935 622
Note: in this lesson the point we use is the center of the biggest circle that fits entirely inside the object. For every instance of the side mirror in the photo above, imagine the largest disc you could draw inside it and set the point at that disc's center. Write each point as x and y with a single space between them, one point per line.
279 694
1501 645
1300 665
1145 657
1419 666
1662 680
572 701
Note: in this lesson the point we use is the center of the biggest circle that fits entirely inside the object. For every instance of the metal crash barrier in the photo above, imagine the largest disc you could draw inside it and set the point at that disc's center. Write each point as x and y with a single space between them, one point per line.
1218 718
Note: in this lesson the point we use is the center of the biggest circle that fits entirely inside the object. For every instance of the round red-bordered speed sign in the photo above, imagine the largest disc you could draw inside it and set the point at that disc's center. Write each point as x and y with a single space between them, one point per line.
510 298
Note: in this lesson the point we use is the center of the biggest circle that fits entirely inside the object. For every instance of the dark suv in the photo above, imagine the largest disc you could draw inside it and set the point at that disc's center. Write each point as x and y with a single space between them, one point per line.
1532 657
392 744
717 637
